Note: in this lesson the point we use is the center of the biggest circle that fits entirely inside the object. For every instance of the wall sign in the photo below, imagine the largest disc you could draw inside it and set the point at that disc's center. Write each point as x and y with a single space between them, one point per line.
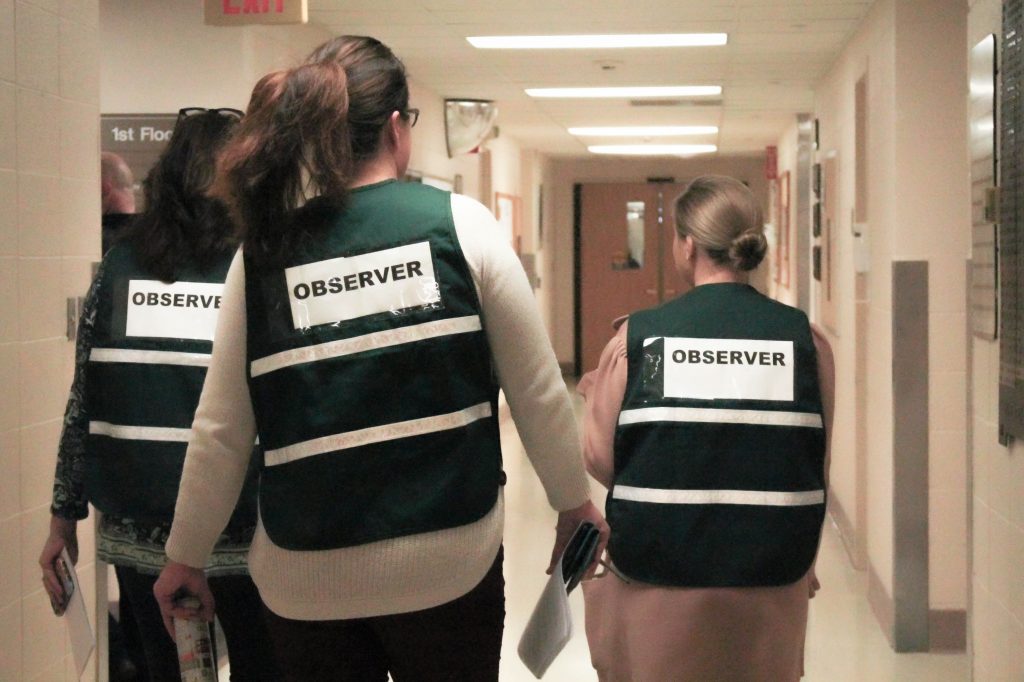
139 139
242 12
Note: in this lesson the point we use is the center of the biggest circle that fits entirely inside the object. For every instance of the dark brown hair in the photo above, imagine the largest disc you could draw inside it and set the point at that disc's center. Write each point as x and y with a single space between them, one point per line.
305 133
724 219
181 227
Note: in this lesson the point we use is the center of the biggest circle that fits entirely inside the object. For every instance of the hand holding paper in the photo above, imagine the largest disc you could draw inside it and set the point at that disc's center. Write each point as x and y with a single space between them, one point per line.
77 619
550 626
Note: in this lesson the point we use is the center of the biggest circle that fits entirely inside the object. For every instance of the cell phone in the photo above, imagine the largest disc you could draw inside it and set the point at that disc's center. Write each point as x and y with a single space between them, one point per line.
579 554
66 582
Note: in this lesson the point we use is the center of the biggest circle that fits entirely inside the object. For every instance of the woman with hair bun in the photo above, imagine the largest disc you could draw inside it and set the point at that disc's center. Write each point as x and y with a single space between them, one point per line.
708 420
366 327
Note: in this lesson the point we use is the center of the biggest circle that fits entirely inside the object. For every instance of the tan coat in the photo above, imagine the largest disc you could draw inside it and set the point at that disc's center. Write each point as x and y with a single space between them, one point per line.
645 633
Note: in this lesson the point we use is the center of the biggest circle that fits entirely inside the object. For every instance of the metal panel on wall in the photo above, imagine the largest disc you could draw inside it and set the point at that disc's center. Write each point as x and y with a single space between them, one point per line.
982 133
1011 214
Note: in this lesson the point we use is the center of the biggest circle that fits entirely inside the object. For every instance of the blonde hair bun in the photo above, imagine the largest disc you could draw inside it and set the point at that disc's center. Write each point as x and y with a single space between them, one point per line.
747 250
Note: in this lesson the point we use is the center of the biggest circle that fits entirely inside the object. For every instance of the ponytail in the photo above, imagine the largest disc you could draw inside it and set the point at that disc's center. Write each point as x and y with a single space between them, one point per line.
292 145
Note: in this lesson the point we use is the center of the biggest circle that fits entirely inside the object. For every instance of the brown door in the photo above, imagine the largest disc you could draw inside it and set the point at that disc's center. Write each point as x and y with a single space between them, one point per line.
625 257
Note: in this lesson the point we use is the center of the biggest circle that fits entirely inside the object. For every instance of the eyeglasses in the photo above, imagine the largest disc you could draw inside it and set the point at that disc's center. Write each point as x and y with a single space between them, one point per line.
222 111
413 114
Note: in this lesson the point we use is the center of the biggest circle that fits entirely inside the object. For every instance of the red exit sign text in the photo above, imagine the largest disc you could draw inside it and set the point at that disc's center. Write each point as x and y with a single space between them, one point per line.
239 12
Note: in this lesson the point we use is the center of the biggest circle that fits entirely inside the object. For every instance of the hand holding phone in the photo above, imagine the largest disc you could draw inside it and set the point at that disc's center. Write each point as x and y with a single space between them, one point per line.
60 602
579 554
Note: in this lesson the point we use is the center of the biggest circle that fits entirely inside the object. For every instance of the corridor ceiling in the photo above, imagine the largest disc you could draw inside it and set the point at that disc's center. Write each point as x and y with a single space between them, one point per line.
776 53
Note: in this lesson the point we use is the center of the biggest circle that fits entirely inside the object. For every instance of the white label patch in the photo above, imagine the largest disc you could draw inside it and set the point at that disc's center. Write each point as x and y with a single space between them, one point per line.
183 310
728 369
346 288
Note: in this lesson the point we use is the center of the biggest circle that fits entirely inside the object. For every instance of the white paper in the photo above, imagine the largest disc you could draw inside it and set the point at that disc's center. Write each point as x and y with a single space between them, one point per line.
342 289
182 310
77 619
549 628
728 369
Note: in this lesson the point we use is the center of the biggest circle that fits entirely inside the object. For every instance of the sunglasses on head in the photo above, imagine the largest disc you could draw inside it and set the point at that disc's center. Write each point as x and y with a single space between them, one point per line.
222 111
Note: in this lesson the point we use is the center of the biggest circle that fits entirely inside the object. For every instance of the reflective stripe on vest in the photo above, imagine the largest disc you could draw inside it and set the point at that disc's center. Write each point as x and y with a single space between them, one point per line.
762 498
164 434
149 357
359 344
719 416
378 434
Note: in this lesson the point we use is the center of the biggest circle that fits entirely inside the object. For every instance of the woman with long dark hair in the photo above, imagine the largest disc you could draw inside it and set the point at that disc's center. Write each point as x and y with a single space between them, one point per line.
143 346
367 327
708 420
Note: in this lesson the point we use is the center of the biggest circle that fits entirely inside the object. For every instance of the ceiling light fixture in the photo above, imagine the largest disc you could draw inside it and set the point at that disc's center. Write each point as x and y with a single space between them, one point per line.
629 92
575 42
654 149
643 131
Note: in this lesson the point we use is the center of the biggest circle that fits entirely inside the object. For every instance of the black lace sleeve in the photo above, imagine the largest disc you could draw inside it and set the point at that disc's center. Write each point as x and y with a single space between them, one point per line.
68 493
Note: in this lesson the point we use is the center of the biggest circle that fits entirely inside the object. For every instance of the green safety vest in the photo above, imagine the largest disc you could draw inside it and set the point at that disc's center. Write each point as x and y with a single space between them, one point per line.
371 377
720 443
151 349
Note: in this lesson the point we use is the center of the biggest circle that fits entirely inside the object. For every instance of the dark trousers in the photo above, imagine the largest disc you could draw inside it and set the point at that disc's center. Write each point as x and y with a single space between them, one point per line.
459 641
239 611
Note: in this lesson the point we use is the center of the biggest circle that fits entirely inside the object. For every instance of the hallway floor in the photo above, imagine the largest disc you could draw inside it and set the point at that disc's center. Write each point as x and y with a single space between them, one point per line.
844 643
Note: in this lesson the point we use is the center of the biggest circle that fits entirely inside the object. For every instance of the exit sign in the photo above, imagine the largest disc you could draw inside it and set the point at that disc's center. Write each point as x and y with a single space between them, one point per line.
240 12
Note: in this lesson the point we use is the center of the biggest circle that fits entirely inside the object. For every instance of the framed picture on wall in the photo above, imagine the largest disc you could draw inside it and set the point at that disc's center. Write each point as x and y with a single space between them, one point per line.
540 217
784 236
506 211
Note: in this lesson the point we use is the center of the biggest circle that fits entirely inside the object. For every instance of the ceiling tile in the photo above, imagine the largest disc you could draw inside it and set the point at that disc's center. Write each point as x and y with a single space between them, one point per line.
777 51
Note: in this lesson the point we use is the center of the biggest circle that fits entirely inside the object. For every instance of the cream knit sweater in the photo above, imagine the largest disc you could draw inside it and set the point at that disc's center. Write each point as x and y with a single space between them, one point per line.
401 574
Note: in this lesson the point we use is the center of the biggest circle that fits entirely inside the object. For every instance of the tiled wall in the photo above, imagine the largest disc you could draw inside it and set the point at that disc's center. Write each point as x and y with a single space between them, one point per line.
997 620
49 235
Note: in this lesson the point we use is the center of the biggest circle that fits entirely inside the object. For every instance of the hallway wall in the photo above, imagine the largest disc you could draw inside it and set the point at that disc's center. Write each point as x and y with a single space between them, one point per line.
159 57
49 235
912 54
997 549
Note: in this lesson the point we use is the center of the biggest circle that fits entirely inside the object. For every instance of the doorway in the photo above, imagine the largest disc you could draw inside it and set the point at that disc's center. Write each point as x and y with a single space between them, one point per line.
623 239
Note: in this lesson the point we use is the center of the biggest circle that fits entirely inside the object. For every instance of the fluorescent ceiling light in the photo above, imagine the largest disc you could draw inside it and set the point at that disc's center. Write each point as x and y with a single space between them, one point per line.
654 149
598 41
629 93
643 131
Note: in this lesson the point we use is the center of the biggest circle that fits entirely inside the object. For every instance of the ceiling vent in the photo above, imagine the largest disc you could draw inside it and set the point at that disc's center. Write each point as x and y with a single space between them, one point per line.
675 102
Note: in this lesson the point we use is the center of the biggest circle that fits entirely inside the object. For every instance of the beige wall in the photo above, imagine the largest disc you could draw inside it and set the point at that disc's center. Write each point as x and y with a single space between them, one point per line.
997 596
913 56
157 57
558 267
871 51
934 225
49 235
